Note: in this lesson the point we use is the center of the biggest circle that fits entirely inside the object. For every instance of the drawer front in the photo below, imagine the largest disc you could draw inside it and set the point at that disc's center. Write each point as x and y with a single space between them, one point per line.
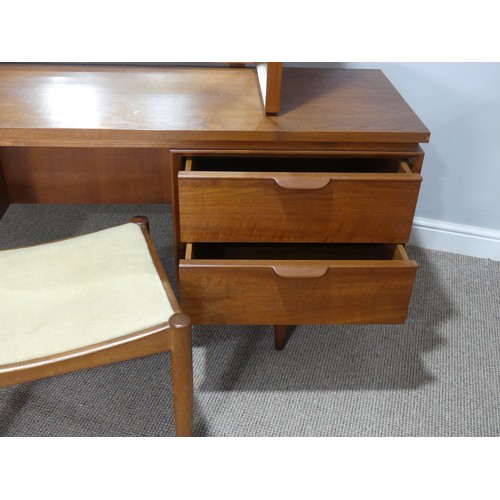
271 292
297 207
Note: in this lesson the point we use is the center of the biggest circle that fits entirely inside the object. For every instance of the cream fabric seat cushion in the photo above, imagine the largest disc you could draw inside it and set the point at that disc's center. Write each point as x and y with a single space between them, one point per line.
70 294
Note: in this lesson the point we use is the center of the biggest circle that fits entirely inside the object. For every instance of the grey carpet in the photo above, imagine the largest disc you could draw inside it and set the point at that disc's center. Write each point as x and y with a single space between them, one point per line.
436 375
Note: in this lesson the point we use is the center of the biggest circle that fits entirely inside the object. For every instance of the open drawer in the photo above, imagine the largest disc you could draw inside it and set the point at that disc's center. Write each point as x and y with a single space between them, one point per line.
268 199
296 284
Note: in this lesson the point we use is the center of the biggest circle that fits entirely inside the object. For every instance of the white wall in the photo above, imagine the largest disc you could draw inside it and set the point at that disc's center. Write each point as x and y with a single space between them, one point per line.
459 203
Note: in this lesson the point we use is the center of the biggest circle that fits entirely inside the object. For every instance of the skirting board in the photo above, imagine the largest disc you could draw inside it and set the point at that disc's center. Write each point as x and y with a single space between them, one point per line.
456 238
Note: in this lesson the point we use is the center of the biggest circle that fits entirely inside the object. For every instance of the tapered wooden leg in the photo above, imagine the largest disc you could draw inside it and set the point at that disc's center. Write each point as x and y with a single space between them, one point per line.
182 373
280 336
4 195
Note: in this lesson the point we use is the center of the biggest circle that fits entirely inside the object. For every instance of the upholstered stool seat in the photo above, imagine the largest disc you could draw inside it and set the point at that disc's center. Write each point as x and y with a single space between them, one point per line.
74 300
85 290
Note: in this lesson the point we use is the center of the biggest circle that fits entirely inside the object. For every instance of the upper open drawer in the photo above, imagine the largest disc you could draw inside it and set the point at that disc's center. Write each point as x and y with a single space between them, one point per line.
258 199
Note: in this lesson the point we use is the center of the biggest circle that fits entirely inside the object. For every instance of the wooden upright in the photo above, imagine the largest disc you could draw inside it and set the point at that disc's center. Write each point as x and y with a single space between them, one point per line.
270 74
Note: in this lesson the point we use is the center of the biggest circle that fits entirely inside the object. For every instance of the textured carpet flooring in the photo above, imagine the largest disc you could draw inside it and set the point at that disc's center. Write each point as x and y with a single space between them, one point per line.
436 375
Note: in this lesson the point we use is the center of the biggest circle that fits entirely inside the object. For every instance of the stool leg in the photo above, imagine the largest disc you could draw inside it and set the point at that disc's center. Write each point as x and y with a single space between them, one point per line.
182 373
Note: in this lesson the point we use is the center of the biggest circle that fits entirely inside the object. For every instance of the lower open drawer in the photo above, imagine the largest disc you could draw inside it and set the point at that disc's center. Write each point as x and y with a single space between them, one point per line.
296 284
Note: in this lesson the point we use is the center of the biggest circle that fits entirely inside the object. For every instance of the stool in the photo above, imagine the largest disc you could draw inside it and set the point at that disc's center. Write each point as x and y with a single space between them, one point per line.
89 301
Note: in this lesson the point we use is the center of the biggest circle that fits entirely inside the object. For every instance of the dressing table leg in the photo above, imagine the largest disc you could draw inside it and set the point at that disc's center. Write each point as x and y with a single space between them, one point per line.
281 333
4 196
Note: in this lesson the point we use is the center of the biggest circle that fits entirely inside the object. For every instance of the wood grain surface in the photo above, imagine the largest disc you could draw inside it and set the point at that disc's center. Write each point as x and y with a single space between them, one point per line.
283 292
315 207
155 107
87 175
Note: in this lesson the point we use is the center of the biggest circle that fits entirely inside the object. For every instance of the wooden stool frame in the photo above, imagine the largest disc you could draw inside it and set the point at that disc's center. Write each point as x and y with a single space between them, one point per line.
173 336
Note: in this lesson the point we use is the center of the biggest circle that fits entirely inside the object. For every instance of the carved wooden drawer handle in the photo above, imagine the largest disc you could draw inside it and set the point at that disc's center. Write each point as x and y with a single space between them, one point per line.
304 271
302 182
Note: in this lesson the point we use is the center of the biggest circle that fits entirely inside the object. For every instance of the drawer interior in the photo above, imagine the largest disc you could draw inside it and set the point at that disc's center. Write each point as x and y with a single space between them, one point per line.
295 164
298 251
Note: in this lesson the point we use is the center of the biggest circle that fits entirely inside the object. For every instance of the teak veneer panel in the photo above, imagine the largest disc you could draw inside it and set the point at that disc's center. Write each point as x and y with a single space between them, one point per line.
87 175
157 107
296 292
295 207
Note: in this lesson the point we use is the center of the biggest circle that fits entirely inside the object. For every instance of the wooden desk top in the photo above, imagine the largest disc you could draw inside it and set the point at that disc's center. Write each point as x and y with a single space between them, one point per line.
43 105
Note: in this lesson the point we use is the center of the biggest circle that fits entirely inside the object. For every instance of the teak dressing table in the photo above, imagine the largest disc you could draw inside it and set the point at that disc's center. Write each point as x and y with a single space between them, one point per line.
297 218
